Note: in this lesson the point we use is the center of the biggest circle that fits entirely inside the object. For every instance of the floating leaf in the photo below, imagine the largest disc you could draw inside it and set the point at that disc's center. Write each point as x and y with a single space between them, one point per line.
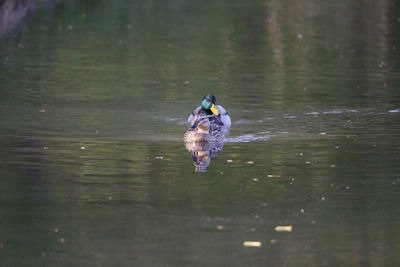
252 244
284 228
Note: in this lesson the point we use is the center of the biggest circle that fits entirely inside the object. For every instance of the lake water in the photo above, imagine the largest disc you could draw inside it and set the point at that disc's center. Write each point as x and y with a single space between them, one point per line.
93 106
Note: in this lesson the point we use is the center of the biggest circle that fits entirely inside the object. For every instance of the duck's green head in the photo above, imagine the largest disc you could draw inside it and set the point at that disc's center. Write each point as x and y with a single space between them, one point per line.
208 104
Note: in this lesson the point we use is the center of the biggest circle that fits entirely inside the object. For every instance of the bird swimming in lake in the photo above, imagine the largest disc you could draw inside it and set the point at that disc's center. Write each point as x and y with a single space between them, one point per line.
215 112
205 137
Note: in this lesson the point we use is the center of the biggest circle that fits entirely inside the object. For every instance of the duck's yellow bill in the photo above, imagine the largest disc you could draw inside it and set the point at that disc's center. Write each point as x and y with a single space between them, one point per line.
214 110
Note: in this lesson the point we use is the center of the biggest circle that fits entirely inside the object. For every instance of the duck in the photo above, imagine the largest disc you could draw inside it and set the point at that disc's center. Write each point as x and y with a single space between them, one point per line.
210 108
205 128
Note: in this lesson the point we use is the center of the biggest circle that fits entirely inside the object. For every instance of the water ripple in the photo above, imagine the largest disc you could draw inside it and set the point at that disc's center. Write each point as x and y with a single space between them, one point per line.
247 138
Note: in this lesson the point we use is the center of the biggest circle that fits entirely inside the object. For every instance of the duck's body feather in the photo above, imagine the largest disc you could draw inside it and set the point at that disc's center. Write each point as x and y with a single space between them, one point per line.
204 129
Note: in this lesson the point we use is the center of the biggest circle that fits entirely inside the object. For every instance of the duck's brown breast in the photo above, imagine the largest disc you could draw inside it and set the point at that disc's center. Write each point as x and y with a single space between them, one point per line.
195 136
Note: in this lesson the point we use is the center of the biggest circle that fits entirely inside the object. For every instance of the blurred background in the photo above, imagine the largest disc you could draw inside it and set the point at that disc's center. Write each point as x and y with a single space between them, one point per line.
94 97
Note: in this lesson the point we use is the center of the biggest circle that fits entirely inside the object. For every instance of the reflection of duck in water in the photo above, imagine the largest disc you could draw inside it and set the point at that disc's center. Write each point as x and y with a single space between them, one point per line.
205 138
201 153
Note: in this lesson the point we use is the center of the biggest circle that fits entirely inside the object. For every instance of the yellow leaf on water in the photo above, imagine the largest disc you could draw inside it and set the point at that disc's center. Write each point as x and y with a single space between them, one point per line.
284 228
252 243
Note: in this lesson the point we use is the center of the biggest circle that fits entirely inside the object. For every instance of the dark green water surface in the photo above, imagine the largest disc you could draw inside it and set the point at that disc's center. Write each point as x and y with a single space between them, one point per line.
94 97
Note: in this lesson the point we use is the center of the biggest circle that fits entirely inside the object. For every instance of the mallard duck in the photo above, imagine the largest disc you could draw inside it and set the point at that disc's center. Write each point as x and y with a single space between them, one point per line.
209 107
204 129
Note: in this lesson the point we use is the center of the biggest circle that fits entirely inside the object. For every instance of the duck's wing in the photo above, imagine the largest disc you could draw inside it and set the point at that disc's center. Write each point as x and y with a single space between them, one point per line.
193 116
226 120
221 110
